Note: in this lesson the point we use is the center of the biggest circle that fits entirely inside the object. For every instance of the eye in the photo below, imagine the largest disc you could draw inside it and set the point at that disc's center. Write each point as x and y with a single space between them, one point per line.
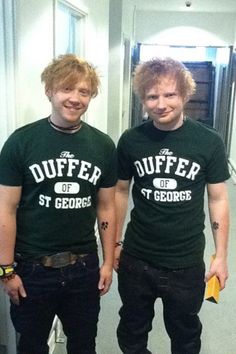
152 97
170 94
66 89
84 93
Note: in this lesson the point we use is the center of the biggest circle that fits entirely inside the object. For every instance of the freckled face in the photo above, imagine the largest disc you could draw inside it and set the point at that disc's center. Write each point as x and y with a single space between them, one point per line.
70 103
164 105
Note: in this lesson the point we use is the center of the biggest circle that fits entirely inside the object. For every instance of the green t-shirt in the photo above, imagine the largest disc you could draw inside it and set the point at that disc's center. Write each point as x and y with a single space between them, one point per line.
170 171
60 175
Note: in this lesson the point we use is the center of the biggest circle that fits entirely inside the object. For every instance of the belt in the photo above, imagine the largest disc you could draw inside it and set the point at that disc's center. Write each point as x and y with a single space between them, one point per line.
61 259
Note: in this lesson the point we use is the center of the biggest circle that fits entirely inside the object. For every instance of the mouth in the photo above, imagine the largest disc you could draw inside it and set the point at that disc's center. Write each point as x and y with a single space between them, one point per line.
72 108
162 114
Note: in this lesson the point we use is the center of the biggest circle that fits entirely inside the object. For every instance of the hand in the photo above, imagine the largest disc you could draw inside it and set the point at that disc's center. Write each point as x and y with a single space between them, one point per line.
105 279
219 268
118 250
14 289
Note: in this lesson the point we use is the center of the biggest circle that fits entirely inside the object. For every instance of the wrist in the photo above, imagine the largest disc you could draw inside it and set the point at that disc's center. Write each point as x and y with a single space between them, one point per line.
8 277
7 271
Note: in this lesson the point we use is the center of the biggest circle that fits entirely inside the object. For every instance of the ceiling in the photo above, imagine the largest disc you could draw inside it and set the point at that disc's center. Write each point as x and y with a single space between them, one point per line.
179 5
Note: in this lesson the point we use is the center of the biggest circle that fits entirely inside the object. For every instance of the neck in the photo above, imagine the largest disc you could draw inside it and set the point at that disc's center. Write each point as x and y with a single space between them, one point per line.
69 129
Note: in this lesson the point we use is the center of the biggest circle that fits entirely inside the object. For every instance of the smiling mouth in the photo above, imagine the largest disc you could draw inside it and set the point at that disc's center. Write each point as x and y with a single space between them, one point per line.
163 114
74 109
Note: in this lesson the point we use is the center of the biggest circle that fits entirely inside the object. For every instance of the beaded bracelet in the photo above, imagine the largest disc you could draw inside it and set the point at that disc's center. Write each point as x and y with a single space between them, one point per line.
8 277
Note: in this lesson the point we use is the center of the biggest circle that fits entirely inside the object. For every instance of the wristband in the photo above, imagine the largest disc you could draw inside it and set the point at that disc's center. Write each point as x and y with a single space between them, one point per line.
6 270
119 243
8 277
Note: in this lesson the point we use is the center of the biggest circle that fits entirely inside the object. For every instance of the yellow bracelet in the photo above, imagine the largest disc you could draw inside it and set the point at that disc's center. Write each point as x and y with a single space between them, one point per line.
6 270
9 270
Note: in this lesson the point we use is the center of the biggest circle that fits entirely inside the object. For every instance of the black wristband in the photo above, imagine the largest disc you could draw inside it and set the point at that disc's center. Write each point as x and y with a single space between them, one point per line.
6 270
119 243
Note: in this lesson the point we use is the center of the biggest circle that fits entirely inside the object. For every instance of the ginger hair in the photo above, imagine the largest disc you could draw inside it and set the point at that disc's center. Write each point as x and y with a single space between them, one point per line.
67 70
153 71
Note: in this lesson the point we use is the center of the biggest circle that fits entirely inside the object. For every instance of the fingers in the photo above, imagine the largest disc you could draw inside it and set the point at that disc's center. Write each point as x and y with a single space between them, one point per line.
208 276
15 290
221 277
22 291
104 285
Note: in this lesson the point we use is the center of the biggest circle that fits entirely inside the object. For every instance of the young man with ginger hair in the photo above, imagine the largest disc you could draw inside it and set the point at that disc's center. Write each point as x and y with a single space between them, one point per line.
170 158
57 177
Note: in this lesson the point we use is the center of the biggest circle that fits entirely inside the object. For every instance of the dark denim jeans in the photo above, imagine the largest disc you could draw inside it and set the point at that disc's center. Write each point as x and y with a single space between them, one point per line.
71 293
182 293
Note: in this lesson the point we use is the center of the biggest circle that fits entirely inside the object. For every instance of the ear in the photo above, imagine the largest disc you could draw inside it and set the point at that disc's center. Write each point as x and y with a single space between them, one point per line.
185 100
48 93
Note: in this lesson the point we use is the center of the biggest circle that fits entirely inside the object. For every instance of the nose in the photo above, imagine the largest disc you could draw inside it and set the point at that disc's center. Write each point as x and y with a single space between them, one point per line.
161 103
74 96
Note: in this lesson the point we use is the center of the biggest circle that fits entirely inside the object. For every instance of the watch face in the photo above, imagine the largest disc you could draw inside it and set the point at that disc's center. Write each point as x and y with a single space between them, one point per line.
2 272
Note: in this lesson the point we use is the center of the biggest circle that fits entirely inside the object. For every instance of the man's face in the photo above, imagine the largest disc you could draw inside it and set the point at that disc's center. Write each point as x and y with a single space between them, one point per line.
70 103
164 105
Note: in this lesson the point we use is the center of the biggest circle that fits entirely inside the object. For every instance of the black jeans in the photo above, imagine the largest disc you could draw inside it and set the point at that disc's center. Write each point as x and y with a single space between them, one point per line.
71 293
182 293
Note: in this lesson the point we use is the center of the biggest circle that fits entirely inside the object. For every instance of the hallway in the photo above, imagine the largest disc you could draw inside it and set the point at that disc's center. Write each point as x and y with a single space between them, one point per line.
219 336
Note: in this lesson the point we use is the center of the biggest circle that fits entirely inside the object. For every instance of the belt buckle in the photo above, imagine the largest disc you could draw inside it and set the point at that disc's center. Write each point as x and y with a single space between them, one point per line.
61 259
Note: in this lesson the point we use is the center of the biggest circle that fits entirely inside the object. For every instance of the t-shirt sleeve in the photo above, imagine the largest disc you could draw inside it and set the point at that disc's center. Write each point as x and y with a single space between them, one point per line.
125 166
217 170
11 167
109 178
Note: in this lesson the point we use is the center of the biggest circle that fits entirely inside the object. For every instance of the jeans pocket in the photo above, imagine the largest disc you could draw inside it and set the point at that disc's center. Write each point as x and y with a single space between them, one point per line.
189 277
187 288
91 262
25 269
130 267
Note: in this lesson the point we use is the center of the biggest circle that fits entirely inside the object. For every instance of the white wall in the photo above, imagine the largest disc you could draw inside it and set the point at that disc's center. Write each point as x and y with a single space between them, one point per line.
115 68
97 52
34 43
7 63
181 28
232 153
34 27
128 17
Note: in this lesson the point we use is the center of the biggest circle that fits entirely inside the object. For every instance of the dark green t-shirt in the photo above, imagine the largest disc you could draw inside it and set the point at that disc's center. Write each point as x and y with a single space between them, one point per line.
170 171
60 175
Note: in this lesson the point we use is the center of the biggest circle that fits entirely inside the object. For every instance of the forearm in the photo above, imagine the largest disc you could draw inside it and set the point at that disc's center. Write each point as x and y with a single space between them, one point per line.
121 200
7 237
219 218
106 227
9 200
106 219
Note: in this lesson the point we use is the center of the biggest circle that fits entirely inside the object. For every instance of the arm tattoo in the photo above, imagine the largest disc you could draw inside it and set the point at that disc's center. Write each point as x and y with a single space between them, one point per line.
215 225
104 225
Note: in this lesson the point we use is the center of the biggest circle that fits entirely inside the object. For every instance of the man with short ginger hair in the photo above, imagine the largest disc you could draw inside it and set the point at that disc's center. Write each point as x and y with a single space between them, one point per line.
170 159
57 178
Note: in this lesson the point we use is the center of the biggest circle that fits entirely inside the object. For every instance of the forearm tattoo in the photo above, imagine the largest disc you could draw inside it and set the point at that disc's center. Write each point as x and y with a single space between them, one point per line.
104 225
215 225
